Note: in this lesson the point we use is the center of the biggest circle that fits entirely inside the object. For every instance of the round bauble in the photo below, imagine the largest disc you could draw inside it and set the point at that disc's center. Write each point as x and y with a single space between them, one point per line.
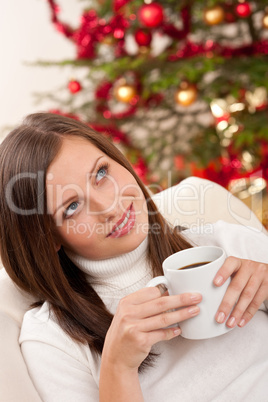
151 15
186 95
118 4
265 21
214 15
74 86
229 13
125 93
243 10
142 37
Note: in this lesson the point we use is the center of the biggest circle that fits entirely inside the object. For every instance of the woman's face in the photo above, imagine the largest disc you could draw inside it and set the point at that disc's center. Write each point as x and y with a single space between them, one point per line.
99 209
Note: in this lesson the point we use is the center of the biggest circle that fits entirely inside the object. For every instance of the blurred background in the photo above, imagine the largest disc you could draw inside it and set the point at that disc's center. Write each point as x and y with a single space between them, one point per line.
181 87
27 36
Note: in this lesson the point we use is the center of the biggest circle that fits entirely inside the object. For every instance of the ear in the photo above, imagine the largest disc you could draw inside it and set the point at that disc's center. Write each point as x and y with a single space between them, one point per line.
57 241
57 246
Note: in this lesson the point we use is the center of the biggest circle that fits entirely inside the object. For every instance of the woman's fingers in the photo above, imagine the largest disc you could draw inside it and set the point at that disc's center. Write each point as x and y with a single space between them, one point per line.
146 295
168 318
143 295
229 267
253 307
143 319
246 292
252 296
161 327
242 296
233 291
166 303
148 302
164 334
146 323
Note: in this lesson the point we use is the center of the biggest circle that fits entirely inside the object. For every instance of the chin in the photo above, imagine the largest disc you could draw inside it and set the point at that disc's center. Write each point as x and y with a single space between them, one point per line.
134 241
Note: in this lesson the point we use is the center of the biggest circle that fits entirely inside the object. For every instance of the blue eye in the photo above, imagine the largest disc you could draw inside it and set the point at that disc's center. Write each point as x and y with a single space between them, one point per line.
101 173
71 209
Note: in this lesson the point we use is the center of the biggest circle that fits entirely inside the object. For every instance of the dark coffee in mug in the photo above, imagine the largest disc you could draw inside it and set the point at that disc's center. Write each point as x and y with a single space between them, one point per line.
195 265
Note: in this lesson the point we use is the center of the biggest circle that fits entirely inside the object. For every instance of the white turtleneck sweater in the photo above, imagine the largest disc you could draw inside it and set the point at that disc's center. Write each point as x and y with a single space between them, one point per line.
233 366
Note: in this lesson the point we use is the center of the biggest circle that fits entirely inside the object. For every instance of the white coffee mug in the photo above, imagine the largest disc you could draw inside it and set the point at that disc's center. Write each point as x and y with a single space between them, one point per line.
179 278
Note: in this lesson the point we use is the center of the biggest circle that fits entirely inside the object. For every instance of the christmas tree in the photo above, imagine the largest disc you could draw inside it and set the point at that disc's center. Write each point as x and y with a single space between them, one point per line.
180 86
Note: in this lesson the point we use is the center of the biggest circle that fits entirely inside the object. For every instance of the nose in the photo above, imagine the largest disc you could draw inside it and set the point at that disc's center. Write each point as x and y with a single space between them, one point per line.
105 206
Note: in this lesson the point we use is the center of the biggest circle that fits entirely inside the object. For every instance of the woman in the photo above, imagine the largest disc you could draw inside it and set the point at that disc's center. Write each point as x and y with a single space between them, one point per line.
80 233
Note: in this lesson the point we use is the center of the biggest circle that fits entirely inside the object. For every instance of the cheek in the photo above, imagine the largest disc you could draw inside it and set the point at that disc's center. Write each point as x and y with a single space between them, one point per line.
75 233
129 187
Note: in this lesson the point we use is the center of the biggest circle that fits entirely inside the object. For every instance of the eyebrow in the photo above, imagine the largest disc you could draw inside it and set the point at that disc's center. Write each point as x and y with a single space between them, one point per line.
73 196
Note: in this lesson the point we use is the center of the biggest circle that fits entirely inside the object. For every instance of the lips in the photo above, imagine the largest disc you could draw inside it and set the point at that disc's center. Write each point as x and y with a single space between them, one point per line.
125 223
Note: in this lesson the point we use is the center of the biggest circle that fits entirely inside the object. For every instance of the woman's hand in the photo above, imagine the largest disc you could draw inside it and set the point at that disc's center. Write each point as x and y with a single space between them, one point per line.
247 291
140 322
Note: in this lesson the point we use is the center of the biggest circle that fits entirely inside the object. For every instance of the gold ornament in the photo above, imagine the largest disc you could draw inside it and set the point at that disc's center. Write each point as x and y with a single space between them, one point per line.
108 40
213 15
257 98
144 50
125 93
265 20
253 192
186 94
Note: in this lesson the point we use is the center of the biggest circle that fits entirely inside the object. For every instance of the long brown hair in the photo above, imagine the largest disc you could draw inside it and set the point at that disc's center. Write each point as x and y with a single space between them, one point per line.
27 230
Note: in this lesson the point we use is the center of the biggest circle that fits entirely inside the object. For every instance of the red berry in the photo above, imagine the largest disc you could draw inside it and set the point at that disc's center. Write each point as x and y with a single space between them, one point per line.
74 86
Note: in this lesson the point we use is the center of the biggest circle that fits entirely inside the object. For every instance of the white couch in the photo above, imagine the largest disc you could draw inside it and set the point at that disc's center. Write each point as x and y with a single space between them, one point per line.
192 202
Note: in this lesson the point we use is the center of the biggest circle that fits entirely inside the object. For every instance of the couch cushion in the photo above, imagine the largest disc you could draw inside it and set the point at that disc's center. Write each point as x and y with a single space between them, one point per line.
13 301
15 384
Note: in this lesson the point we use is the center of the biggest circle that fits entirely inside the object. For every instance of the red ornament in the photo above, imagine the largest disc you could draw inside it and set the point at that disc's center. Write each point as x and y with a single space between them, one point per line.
230 17
143 38
151 15
74 86
229 13
243 10
103 90
141 168
117 4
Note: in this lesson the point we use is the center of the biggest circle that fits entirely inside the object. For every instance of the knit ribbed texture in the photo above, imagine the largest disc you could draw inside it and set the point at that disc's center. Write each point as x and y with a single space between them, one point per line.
117 276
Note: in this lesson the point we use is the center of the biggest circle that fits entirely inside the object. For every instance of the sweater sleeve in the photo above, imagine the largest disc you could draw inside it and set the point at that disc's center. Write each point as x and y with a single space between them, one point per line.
57 365
237 241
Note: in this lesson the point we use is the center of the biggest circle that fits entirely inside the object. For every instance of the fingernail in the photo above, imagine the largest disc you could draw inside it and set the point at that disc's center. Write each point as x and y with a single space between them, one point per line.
231 322
218 280
220 317
193 310
177 331
195 297
242 323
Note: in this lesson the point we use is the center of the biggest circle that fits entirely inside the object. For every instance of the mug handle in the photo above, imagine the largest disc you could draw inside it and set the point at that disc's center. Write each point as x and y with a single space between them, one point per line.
158 280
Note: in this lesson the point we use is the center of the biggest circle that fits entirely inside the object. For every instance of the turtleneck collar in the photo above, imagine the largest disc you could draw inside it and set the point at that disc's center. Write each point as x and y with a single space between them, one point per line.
119 275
